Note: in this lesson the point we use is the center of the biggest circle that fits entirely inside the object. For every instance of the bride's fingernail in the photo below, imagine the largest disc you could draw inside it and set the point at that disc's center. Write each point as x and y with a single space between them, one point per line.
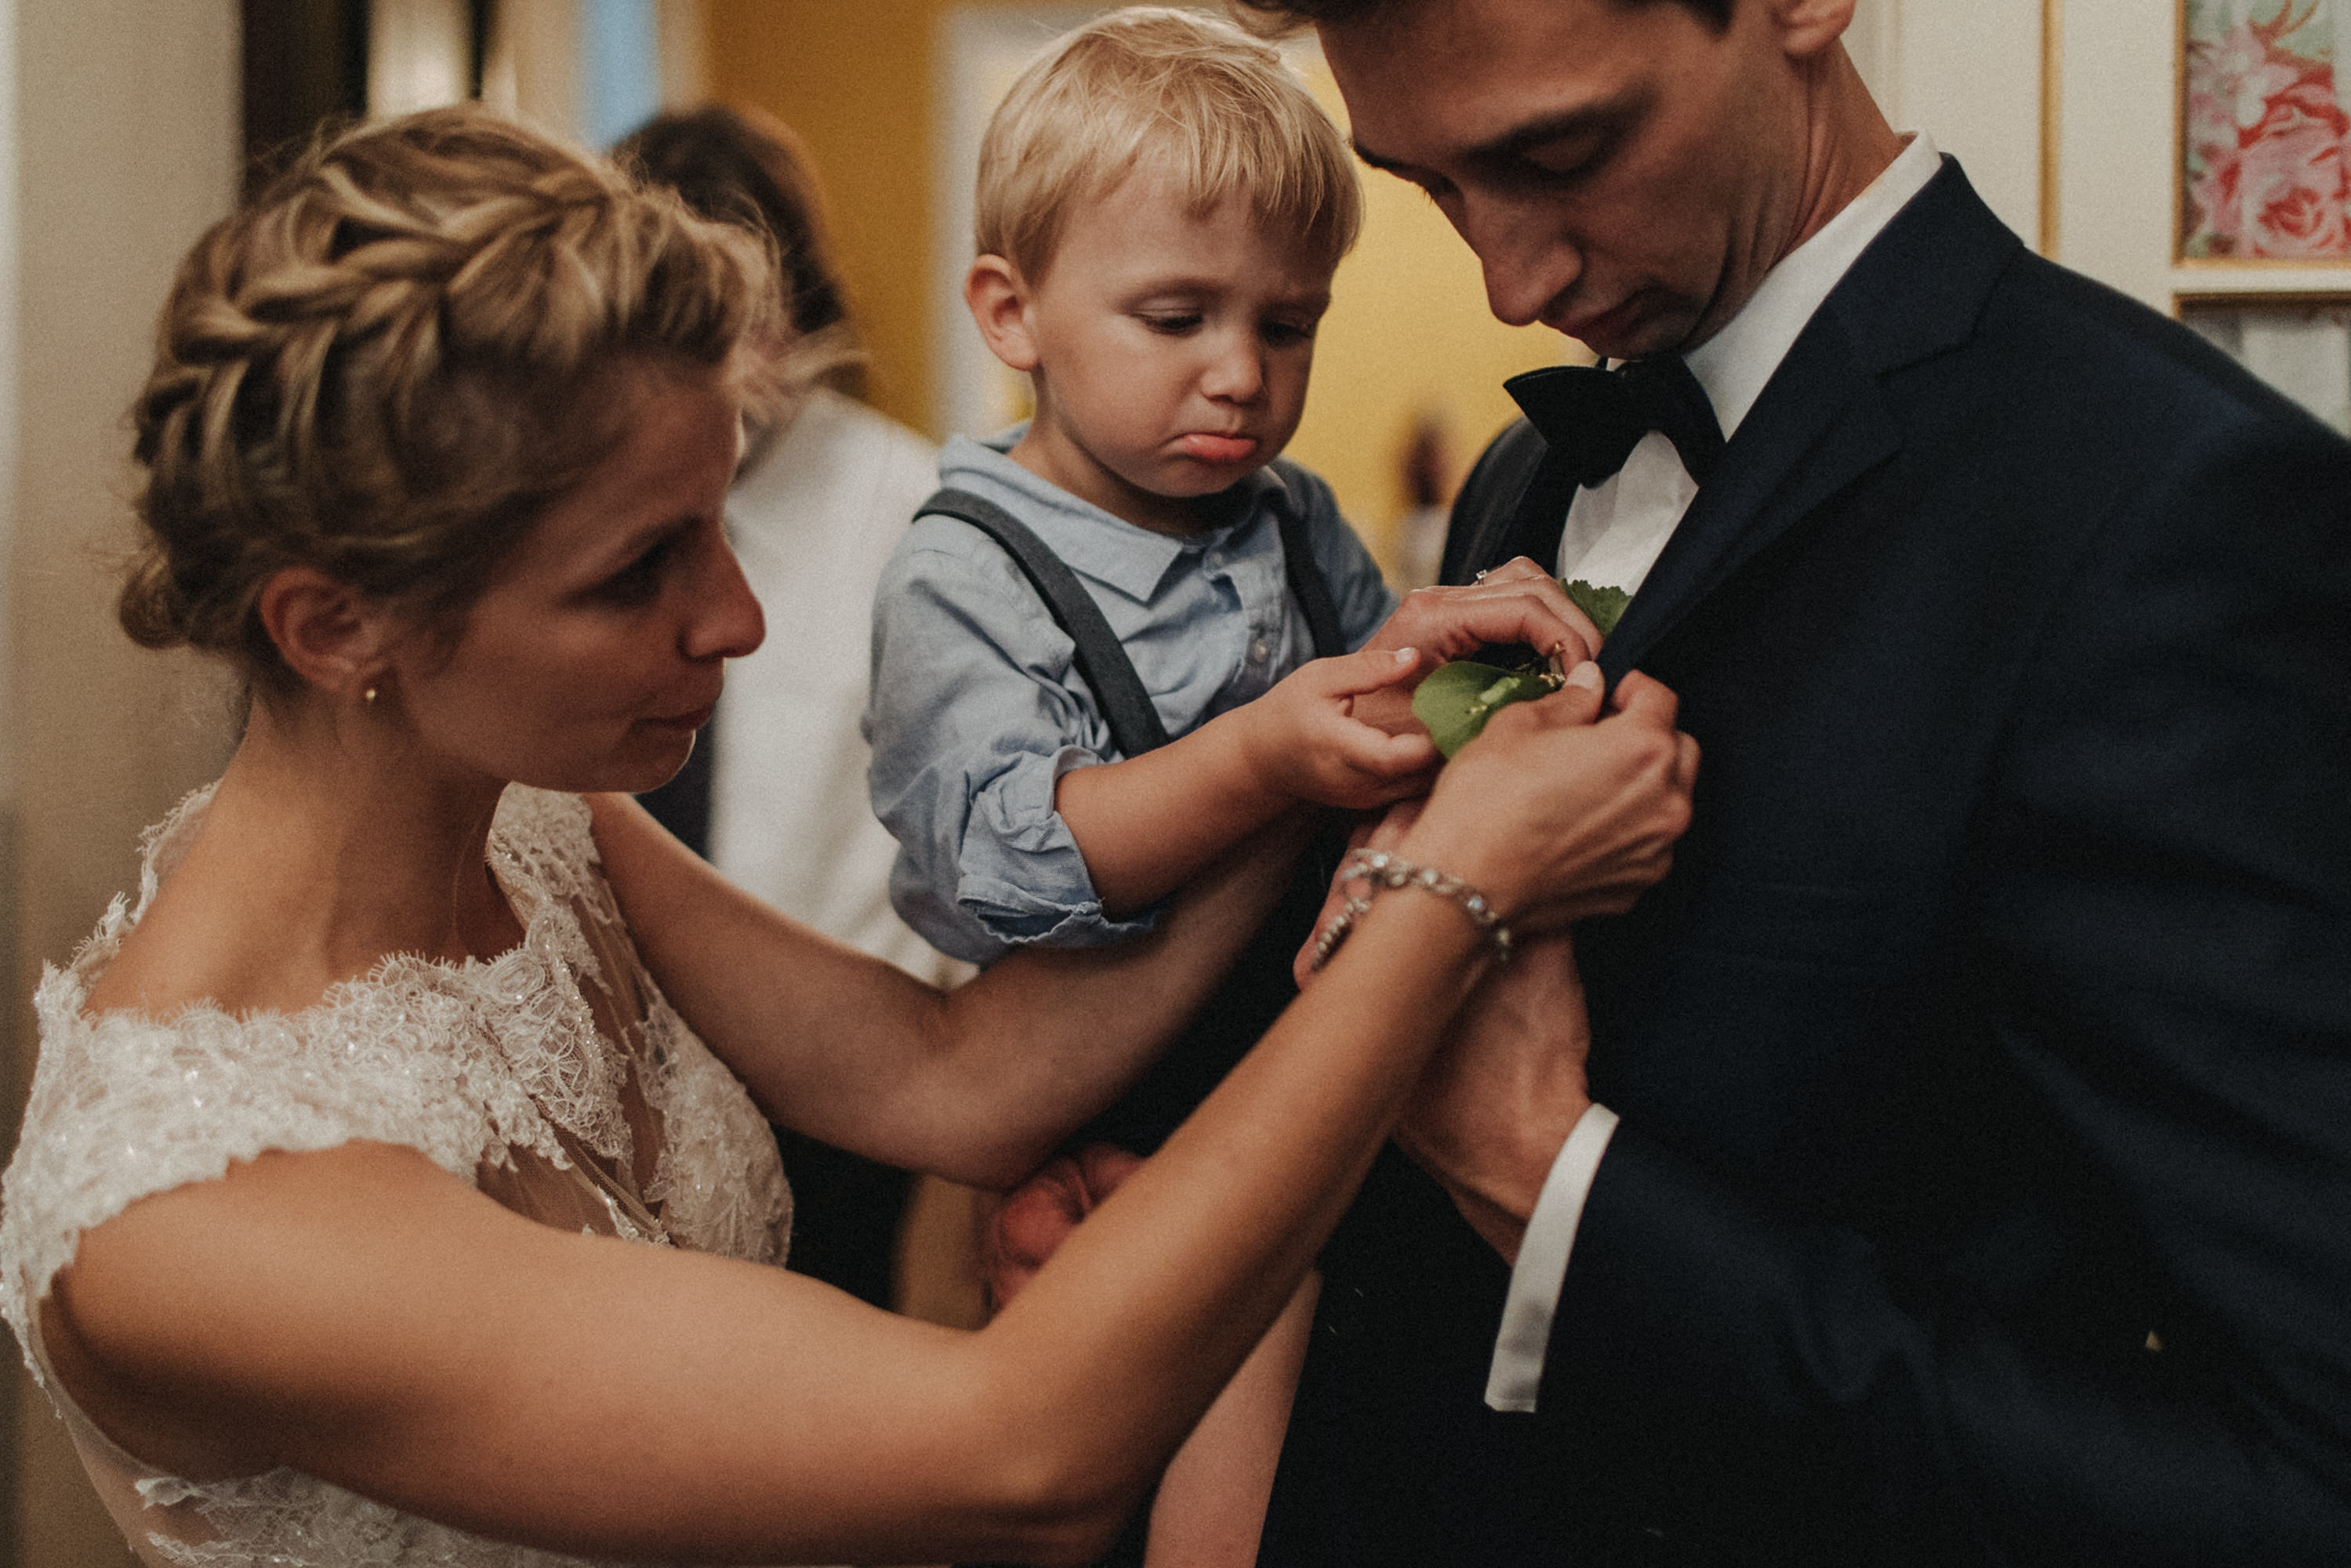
1407 656
1587 676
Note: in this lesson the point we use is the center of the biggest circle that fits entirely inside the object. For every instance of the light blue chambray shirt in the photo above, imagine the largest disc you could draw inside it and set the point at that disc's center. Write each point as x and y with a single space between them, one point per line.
977 709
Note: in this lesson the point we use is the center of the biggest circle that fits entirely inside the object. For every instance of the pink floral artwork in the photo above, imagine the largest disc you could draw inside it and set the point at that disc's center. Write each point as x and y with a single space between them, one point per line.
2263 164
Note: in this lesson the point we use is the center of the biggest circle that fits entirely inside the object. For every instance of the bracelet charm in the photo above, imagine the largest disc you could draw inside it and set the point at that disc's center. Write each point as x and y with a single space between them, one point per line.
1378 870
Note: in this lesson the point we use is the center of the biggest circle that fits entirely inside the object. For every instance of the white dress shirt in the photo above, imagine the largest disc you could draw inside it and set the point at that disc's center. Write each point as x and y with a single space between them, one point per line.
1615 531
812 524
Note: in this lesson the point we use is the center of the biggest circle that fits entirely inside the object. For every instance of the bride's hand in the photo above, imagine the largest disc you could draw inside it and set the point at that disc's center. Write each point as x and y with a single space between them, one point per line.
1555 812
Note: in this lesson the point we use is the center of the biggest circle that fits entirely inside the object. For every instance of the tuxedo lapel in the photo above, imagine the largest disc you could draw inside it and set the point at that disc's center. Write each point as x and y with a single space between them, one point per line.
1504 524
1792 454
1824 420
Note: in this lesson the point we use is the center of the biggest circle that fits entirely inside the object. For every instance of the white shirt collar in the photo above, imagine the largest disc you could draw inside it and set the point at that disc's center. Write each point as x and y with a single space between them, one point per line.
1734 365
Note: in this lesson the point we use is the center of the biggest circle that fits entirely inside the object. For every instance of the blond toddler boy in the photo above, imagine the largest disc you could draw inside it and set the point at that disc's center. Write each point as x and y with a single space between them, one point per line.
1161 207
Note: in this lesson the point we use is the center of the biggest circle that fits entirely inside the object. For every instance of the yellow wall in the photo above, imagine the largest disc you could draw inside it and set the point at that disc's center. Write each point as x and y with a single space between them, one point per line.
853 78
1407 334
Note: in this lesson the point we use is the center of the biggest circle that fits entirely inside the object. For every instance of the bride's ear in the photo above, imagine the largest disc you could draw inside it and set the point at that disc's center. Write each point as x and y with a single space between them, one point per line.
329 635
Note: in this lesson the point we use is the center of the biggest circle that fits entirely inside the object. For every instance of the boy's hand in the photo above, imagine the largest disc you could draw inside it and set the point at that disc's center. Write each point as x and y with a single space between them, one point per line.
1304 742
1518 602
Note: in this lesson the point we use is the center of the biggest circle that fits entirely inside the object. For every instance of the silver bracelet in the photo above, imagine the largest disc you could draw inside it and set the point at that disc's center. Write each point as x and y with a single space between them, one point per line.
1379 871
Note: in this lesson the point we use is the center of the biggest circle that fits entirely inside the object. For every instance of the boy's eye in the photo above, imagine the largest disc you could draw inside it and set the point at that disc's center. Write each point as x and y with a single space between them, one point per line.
1288 332
1173 322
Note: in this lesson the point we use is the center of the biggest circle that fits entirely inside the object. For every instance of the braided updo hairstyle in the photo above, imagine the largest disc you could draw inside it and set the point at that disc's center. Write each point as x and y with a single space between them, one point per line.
389 363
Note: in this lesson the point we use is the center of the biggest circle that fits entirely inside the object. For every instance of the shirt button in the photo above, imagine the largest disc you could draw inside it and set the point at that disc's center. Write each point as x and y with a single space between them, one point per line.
1258 652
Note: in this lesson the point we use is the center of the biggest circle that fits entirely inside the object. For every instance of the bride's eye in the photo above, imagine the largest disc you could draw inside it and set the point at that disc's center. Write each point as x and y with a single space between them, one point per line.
640 578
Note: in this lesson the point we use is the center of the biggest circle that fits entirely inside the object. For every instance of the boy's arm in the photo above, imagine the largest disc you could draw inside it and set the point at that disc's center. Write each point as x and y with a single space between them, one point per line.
1148 824
975 713
984 757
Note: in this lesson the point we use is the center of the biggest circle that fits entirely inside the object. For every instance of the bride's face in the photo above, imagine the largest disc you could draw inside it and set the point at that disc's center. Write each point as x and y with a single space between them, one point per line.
597 650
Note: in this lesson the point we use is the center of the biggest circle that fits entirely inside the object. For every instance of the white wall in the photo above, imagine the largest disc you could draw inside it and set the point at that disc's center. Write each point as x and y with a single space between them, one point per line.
127 145
1968 73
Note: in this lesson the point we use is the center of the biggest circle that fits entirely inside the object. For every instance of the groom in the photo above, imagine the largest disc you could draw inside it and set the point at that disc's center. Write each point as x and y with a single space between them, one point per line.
1963 1170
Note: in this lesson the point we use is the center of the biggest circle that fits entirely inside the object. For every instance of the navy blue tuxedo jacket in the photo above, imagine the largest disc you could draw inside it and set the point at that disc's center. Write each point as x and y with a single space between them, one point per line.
1983 1193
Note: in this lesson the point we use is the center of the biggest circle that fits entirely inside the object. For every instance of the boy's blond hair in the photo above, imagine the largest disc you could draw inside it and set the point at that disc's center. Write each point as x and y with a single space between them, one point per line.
1184 93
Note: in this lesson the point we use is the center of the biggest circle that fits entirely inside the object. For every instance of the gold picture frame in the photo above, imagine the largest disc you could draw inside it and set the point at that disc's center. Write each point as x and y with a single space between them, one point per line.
2267 125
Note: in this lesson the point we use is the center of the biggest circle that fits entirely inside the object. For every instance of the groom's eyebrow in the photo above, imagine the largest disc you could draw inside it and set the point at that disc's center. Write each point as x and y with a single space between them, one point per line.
1585 119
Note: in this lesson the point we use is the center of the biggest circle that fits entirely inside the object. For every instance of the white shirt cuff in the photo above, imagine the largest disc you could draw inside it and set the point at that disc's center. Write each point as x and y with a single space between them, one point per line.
1541 1270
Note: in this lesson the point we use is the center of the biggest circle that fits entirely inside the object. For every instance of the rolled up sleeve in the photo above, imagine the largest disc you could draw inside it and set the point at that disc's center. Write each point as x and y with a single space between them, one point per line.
976 713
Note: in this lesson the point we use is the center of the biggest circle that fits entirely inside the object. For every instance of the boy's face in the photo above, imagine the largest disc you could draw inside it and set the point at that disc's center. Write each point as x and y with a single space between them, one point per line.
1170 352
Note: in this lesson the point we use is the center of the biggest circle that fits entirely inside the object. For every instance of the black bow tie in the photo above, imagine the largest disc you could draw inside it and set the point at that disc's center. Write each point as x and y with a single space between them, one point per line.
1593 418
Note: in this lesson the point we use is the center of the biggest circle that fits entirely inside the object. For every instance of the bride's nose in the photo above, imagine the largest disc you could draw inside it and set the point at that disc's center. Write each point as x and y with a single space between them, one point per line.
724 618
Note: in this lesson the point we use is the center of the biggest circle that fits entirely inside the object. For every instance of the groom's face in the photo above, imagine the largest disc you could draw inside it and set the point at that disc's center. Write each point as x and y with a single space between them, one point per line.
1626 173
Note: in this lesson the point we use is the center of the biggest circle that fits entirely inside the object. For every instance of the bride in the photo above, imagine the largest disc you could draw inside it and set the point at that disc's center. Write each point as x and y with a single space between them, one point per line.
374 1206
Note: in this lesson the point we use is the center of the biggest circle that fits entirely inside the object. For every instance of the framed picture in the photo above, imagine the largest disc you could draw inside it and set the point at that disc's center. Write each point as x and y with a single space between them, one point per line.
2262 118
2298 342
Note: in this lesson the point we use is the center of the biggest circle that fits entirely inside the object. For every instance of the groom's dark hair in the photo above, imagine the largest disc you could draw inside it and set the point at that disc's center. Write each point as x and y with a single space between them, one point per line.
1284 16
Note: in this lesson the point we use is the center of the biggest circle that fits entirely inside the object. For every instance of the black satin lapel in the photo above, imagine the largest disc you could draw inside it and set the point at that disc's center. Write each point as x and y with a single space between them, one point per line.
1820 426
1540 517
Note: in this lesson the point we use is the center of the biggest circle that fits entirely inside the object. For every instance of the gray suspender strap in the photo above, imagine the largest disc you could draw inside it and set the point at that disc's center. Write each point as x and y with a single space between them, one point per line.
1306 582
1126 705
1135 726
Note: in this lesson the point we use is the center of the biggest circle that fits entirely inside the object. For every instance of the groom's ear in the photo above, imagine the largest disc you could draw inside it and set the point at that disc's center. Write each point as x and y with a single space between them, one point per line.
1808 27
998 298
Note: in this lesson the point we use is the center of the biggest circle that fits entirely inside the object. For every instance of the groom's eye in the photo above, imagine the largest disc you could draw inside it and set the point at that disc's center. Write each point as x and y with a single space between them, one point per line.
1569 157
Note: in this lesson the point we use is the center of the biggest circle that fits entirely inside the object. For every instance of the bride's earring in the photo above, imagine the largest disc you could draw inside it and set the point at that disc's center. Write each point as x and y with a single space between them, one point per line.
368 697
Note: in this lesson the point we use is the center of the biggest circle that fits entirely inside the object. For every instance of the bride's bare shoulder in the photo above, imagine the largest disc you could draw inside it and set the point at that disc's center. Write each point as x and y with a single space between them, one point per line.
214 932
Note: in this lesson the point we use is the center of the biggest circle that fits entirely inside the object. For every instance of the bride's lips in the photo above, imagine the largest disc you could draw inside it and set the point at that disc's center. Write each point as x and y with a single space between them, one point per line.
1213 448
687 721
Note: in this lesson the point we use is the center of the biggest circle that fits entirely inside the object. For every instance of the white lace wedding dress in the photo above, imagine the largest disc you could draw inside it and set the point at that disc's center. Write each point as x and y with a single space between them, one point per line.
556 1079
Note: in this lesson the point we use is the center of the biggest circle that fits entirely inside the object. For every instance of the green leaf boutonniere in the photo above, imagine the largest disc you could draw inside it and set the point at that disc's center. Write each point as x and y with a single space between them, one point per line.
1604 605
1456 700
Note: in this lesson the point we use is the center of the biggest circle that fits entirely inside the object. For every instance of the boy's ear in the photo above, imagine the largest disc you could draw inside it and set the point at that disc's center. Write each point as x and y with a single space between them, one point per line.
998 297
329 635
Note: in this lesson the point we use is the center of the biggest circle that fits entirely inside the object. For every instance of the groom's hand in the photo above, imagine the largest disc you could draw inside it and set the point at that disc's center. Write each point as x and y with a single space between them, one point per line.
1501 1096
1518 602
1035 1218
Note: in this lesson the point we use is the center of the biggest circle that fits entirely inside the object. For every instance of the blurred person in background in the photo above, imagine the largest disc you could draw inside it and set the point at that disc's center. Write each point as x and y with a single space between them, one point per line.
774 795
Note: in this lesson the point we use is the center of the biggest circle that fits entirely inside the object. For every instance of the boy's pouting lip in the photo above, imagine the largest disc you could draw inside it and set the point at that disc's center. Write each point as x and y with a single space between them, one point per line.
1210 447
1169 347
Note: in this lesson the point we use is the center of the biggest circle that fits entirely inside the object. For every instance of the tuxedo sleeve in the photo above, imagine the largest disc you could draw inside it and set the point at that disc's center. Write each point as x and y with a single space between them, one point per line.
2158 940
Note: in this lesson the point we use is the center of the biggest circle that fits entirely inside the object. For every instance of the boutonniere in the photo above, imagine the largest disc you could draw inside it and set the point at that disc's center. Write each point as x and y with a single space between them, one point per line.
1455 700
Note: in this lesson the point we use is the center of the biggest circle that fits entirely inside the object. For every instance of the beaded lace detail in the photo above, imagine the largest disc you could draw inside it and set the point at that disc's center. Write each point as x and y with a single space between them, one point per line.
545 1077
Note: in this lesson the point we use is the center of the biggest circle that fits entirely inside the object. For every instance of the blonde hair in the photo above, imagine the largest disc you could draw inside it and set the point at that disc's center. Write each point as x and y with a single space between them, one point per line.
1190 94
389 361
